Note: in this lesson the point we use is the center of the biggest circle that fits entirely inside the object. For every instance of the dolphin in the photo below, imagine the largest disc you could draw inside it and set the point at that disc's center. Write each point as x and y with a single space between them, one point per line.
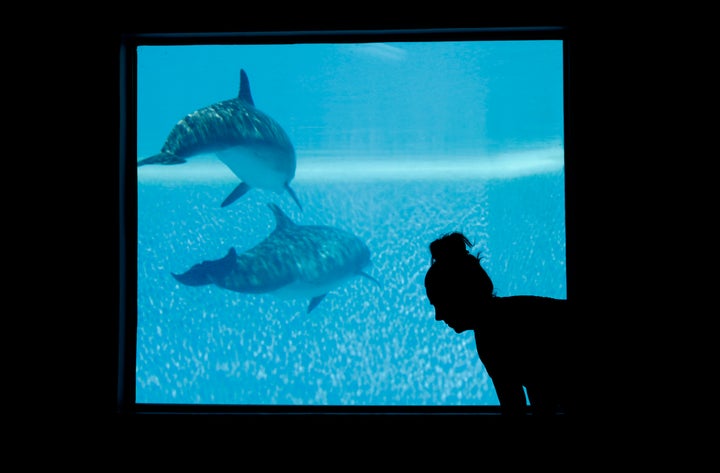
294 260
249 142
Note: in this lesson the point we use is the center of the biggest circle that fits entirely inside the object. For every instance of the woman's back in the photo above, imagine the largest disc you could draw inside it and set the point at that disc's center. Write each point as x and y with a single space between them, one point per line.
523 340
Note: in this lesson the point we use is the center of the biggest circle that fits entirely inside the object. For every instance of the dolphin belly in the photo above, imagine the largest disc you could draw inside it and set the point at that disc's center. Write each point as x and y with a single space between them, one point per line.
262 166
307 290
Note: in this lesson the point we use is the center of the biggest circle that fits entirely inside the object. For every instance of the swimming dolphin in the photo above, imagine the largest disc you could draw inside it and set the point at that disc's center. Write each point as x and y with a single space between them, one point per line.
293 261
249 142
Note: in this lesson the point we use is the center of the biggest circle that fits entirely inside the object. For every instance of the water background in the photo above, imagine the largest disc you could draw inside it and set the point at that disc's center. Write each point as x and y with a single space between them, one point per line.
397 143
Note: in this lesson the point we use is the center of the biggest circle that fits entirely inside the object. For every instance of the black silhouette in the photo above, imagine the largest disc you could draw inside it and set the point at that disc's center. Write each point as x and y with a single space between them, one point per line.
523 341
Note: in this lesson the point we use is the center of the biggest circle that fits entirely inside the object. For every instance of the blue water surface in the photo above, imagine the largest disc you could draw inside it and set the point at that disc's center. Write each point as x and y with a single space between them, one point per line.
396 143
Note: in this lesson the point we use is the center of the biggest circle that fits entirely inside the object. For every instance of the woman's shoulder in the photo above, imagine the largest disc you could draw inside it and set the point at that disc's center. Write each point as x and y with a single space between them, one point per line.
527 307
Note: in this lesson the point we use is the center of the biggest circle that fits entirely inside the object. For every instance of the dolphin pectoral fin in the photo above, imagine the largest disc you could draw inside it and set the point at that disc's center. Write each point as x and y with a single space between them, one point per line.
315 301
238 192
371 278
292 194
161 158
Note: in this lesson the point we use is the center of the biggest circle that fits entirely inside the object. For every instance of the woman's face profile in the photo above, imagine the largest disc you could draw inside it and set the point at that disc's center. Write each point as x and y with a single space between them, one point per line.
454 291
457 312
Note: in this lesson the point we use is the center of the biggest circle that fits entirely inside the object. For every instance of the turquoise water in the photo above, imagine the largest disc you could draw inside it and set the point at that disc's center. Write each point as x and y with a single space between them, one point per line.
395 143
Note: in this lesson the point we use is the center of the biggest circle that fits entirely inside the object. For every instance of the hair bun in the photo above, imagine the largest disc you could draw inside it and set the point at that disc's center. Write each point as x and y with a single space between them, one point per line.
450 247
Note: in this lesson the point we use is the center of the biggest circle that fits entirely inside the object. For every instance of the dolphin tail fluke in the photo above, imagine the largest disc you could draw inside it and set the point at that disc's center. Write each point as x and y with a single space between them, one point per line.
238 192
208 272
161 158
195 276
315 301
293 195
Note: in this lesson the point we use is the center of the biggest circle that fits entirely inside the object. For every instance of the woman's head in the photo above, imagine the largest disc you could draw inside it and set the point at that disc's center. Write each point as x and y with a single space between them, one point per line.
456 284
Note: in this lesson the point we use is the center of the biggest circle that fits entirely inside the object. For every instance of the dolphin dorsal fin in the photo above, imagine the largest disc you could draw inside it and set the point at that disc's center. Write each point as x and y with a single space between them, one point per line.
281 220
244 92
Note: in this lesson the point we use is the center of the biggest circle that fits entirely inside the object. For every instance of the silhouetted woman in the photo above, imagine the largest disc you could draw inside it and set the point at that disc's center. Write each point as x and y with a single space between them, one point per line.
523 341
